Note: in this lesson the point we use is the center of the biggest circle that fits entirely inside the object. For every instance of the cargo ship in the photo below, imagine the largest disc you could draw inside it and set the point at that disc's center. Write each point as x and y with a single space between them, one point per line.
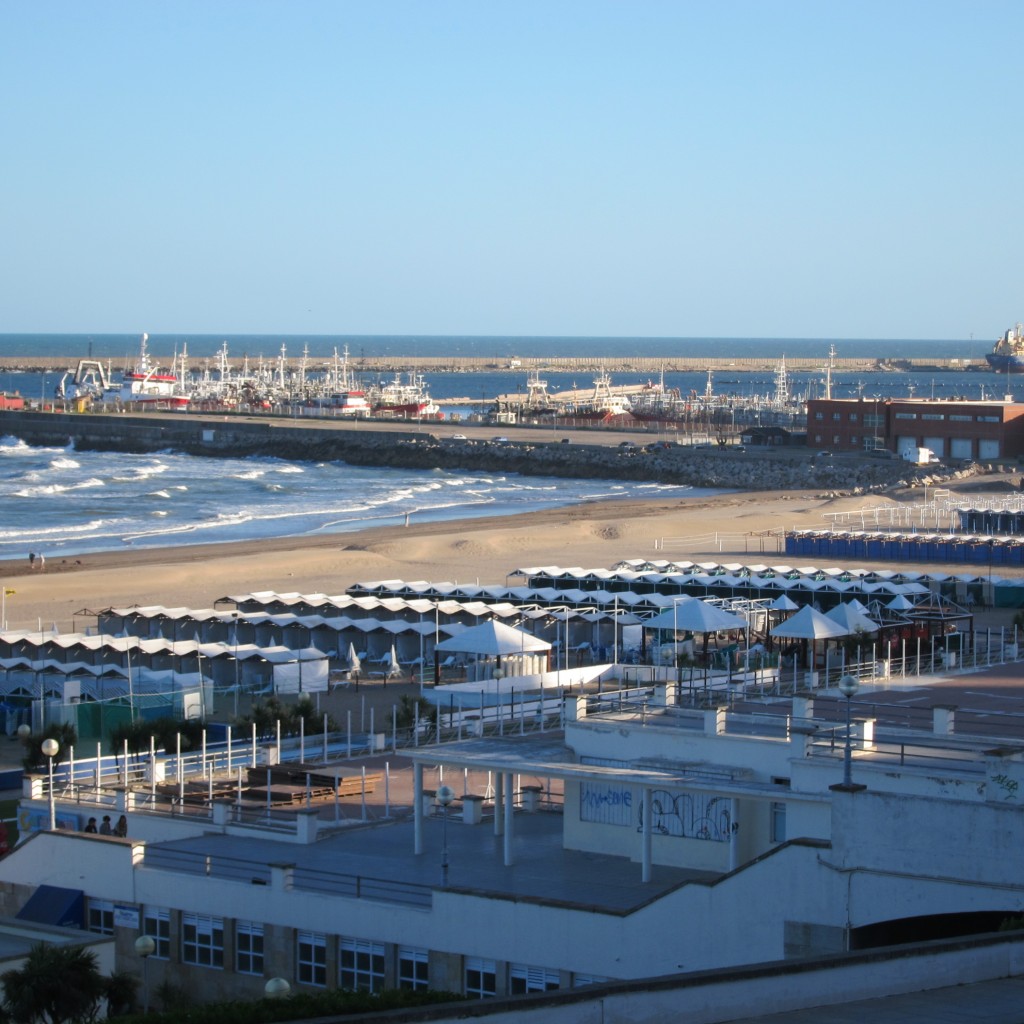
1008 354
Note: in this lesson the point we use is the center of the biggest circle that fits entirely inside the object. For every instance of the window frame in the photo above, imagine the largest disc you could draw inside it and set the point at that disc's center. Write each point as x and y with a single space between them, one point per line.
206 946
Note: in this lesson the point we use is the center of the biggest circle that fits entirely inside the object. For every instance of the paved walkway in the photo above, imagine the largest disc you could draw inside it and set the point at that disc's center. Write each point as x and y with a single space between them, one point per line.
991 1002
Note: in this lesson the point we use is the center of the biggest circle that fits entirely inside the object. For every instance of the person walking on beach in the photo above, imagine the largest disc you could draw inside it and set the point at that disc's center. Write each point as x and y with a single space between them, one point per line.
31 559
42 563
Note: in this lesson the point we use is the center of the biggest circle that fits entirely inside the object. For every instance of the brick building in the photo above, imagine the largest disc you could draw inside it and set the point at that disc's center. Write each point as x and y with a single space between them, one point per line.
952 429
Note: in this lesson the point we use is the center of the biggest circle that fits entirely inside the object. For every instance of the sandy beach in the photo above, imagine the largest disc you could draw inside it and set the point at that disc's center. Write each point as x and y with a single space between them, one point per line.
734 527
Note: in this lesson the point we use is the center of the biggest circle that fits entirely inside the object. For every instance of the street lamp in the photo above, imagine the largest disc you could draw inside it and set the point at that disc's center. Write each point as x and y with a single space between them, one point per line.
848 686
444 796
145 947
277 988
50 748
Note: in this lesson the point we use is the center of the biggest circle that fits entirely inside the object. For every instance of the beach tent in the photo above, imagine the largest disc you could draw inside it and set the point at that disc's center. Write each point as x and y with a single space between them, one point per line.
354 664
695 616
491 639
809 626
852 619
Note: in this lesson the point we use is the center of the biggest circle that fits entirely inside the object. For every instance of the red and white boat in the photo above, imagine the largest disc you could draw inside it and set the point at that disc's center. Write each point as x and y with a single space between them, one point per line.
407 399
149 386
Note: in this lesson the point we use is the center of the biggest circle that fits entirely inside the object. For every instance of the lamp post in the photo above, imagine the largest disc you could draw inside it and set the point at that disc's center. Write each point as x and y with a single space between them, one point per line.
50 747
277 988
235 641
145 947
444 796
848 686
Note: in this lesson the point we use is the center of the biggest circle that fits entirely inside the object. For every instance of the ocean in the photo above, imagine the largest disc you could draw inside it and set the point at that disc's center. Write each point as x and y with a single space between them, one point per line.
62 502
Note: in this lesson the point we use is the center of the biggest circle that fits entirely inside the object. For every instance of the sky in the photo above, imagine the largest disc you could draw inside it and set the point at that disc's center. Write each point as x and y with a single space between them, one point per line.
728 168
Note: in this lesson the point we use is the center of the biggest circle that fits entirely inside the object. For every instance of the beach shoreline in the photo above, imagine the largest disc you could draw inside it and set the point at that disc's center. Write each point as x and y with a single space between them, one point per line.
736 526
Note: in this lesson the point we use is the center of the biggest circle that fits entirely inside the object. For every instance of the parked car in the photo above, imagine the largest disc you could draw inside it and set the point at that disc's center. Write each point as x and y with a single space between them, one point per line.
459 437
500 439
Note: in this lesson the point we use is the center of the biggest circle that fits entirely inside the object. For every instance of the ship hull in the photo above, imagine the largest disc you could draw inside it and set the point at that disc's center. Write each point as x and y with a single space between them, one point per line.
1005 363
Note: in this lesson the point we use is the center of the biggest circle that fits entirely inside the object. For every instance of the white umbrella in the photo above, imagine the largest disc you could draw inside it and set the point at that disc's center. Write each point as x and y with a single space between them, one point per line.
353 659
394 669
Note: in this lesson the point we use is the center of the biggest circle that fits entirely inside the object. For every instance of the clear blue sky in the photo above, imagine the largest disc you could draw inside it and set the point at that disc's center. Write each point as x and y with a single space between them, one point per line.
527 167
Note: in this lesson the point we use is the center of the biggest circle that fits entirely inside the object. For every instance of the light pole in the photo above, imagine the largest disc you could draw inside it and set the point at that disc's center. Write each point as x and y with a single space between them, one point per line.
848 686
277 988
50 747
444 796
235 634
145 947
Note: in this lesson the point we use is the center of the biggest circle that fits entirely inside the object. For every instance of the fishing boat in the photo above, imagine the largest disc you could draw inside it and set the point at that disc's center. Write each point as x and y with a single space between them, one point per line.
146 385
1007 356
604 405
403 399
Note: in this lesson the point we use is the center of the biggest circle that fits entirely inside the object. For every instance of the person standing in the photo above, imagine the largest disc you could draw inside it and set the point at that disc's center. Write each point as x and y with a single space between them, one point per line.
105 829
121 828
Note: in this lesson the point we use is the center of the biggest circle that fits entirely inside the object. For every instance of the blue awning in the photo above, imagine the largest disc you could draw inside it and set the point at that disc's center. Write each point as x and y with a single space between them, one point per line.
50 904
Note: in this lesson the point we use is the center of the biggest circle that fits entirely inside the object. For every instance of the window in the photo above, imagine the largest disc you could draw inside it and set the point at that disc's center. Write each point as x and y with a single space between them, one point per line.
989 419
932 416
101 917
249 947
587 979
854 439
156 923
819 415
837 416
481 978
202 940
522 979
360 965
956 417
413 969
778 822
311 958
836 439
906 415
853 417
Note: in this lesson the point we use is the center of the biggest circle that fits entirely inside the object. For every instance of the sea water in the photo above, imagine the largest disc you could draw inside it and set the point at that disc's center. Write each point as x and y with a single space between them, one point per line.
60 503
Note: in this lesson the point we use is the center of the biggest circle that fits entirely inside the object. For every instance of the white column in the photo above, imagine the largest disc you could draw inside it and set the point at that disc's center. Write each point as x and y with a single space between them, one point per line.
645 795
499 803
417 807
509 810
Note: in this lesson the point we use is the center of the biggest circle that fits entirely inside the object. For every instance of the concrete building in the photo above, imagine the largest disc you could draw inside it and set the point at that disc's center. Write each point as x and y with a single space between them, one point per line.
642 839
954 429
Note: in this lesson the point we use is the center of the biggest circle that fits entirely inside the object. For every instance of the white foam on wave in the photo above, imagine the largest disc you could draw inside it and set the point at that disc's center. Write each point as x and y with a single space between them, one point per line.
41 492
63 462
288 469
250 474
158 494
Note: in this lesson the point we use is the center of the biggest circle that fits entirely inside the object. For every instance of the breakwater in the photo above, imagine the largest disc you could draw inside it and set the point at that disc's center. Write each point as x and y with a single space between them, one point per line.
396 446
645 366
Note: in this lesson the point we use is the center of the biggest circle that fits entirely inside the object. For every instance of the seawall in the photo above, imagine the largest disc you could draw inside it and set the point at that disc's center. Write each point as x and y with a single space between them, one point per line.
397 446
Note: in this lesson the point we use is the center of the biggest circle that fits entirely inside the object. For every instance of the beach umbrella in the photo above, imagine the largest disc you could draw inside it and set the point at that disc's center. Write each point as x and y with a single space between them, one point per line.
394 668
353 659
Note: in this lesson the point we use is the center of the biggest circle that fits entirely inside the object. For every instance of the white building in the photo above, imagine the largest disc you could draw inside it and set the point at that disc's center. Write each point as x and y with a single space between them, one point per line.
686 840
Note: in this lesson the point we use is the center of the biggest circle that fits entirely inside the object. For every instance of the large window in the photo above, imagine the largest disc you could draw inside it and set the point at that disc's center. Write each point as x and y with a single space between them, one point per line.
101 917
778 821
202 940
156 923
481 978
311 958
249 947
413 969
360 965
522 979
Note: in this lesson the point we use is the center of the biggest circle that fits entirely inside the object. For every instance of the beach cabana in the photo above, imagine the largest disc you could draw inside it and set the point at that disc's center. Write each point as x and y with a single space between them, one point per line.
495 640
809 626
